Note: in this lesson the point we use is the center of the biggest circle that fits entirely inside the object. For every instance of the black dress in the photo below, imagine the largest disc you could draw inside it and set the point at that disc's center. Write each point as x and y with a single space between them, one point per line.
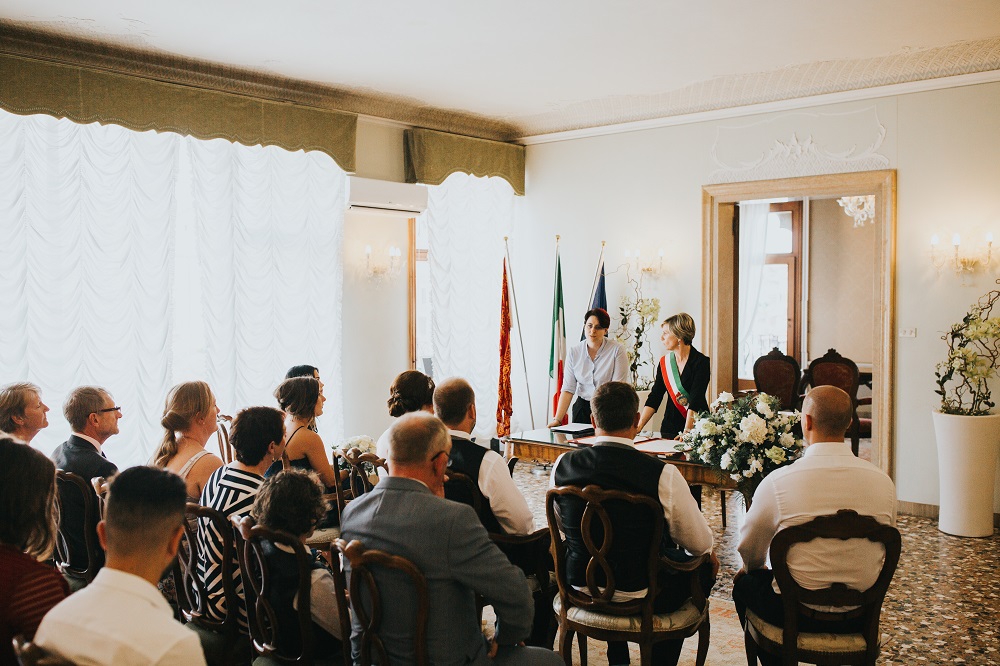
694 377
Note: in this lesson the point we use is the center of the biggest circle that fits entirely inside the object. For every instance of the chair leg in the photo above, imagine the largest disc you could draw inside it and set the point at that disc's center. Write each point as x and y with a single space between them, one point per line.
704 633
646 653
722 501
582 640
751 648
566 644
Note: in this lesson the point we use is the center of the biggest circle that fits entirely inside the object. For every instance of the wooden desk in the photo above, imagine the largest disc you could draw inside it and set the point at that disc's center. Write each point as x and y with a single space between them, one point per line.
545 445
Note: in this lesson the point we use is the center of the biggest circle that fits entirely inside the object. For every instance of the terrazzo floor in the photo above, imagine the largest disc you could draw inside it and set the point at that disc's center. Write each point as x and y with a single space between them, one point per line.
943 606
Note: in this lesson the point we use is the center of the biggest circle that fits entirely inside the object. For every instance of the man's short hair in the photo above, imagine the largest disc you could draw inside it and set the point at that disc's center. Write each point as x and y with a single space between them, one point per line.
144 506
416 437
81 403
452 399
254 428
614 406
13 402
291 501
831 409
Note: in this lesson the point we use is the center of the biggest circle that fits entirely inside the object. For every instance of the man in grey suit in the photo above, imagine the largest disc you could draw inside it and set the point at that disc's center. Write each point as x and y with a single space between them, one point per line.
93 415
406 514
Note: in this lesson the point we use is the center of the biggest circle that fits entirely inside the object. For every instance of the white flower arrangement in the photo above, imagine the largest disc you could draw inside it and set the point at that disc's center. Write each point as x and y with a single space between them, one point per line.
363 443
745 438
637 315
973 356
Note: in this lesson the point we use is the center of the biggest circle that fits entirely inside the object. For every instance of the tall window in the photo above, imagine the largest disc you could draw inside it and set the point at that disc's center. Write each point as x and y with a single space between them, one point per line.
135 261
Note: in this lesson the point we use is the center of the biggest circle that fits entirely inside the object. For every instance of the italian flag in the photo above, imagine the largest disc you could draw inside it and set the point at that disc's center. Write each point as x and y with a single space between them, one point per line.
557 350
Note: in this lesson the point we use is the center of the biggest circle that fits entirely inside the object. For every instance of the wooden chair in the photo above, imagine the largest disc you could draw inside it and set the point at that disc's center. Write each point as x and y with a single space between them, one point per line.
100 485
359 482
221 640
591 612
511 463
78 578
779 375
367 602
30 654
531 553
832 369
459 487
826 648
266 635
222 438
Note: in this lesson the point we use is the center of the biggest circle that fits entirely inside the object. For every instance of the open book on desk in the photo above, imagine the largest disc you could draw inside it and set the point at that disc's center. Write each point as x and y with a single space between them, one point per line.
594 439
575 429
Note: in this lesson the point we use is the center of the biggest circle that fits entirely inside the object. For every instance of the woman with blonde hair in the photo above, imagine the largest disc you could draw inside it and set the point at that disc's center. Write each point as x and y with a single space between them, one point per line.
189 420
29 588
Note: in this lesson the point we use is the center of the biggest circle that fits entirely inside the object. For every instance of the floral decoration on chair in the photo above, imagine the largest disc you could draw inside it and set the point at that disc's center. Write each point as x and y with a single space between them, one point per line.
745 438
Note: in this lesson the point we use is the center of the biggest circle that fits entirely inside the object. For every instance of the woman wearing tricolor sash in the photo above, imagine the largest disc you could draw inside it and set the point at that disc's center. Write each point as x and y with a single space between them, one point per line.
682 375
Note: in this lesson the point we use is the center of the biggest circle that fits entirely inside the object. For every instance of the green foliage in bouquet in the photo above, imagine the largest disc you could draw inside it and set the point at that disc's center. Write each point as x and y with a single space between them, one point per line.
745 439
973 355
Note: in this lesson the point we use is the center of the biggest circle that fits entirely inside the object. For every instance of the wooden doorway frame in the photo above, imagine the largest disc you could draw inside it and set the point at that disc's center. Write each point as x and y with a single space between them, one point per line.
718 281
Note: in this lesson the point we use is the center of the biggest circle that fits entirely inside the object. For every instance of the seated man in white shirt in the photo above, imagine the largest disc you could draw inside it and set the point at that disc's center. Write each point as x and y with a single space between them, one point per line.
506 510
121 618
613 463
828 478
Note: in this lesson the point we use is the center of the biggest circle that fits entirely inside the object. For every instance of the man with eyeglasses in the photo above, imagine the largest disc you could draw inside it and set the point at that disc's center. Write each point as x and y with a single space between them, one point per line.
406 514
93 416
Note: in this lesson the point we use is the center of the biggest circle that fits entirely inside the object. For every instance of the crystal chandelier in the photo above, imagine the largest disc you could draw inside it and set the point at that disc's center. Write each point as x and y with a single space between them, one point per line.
862 209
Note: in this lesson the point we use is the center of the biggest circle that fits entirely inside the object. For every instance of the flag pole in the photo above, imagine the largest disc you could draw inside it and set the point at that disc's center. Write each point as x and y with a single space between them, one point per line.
520 339
597 276
555 285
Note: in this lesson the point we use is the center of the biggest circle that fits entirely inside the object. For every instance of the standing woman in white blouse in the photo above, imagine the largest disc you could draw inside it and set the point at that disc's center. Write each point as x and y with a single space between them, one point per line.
593 361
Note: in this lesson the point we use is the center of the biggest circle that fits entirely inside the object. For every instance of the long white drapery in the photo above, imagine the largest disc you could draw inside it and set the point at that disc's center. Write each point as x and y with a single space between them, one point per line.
467 218
753 254
137 260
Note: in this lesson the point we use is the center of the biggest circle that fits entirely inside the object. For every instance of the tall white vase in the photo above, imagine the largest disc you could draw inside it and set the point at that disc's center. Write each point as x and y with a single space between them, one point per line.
967 447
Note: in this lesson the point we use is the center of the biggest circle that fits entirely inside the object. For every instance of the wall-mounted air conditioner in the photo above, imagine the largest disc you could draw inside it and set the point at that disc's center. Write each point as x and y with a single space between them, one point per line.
382 196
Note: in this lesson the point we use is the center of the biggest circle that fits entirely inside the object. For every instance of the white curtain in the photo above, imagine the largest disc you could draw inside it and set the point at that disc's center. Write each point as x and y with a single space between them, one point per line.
467 218
135 261
269 227
753 252
86 229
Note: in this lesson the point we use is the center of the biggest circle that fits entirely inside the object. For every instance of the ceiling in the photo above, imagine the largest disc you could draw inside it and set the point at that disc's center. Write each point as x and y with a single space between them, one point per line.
528 67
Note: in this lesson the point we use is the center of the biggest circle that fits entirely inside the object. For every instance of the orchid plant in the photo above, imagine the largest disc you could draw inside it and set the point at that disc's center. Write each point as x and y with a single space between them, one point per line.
636 316
972 360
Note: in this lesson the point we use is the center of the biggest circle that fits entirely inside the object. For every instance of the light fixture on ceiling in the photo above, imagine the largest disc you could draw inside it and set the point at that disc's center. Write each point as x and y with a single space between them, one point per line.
962 263
380 272
862 208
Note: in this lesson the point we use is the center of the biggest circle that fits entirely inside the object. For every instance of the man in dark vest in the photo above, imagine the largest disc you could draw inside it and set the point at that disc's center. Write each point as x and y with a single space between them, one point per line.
505 509
614 464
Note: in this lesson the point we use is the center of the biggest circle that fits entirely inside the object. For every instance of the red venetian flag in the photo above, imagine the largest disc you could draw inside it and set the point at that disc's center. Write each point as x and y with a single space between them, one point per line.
557 350
505 400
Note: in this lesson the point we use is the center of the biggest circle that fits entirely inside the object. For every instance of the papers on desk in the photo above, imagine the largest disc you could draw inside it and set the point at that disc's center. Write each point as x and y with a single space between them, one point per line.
577 429
659 447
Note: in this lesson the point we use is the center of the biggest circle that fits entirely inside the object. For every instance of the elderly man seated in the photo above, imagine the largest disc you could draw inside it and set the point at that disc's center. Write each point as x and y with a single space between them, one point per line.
829 477
406 514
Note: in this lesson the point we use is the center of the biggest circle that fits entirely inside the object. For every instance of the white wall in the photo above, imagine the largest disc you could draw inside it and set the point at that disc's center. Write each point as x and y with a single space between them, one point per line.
645 188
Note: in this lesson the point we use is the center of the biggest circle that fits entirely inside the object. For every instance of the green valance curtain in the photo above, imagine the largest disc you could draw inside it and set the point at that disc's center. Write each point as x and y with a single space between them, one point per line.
433 156
83 95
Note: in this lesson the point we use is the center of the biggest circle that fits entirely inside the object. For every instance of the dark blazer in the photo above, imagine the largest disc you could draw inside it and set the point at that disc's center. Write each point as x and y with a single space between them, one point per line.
446 541
695 376
79 456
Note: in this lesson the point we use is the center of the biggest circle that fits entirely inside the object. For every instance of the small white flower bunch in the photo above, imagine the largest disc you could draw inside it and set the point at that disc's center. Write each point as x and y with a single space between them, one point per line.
745 438
972 360
363 443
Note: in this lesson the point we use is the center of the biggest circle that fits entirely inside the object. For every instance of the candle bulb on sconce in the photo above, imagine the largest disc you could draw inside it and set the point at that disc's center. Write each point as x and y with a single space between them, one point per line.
379 272
962 263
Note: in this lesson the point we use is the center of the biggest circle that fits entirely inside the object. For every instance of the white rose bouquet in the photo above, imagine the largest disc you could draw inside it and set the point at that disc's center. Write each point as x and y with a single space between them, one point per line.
363 443
745 438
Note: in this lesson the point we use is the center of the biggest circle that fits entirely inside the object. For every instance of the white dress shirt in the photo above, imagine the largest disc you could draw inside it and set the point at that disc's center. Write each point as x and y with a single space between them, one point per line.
829 477
497 486
583 375
119 619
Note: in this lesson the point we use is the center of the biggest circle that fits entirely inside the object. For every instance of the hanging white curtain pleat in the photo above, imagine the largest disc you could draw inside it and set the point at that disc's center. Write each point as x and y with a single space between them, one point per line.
753 254
269 224
467 218
86 223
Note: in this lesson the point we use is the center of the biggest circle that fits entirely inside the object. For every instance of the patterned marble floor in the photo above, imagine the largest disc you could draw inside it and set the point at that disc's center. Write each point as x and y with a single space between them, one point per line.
943 606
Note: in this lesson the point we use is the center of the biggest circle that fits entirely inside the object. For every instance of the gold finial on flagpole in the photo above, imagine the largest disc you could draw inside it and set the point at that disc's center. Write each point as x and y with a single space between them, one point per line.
557 238
603 243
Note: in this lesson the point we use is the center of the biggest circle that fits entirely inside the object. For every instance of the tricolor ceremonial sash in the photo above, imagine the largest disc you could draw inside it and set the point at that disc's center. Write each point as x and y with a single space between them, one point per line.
672 378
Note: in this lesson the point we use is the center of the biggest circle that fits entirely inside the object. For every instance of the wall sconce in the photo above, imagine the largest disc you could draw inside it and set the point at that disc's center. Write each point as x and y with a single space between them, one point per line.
380 272
962 263
862 209
652 268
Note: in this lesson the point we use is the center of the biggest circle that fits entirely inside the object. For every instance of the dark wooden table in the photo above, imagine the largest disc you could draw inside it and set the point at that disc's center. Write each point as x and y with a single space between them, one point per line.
545 445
